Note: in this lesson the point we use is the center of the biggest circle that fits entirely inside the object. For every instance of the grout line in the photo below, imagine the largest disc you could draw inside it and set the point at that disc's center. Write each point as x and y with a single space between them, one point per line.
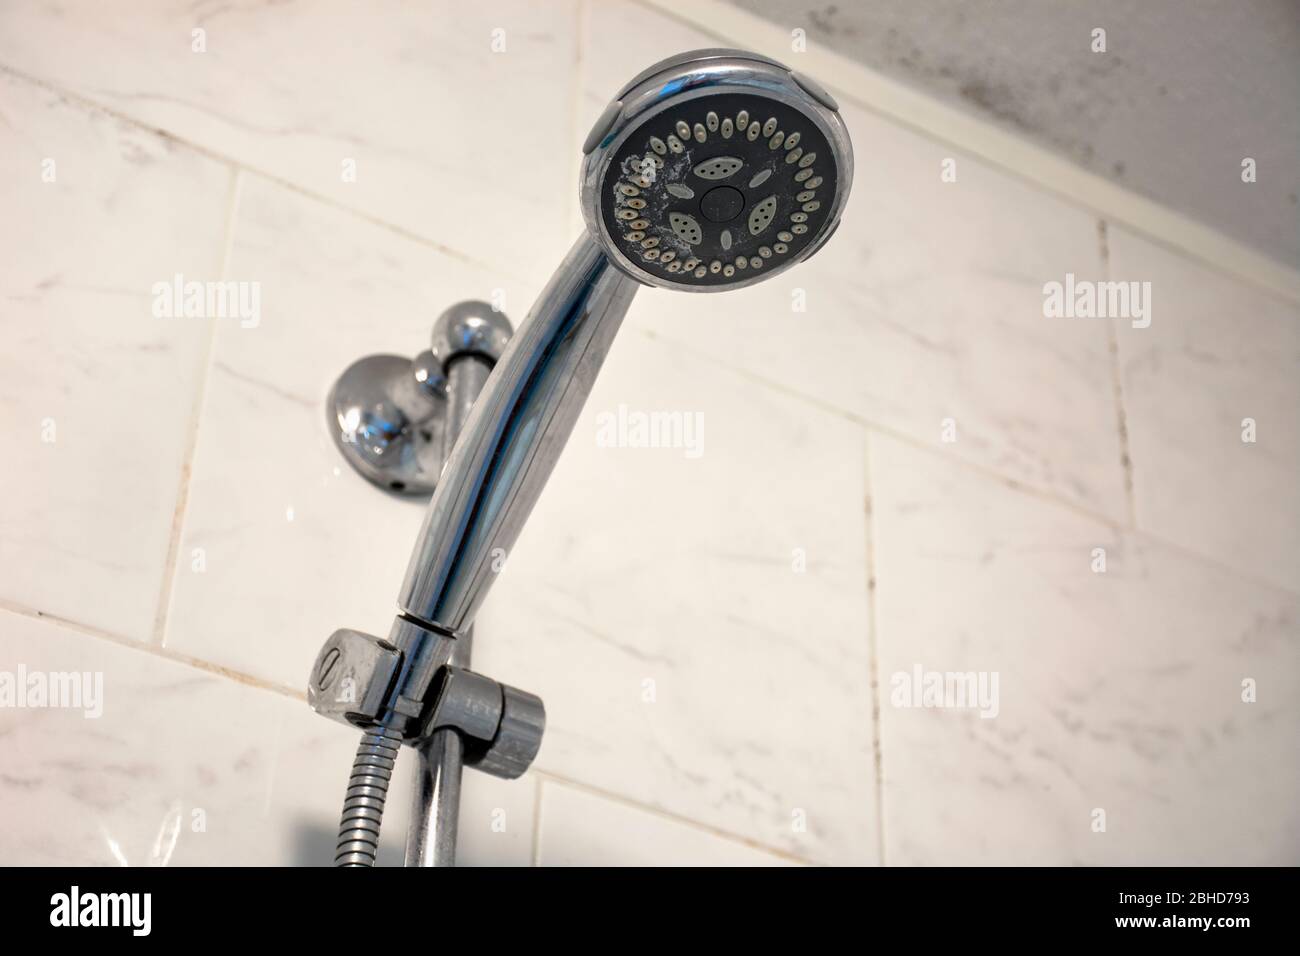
152 650
873 655
921 112
1121 414
192 431
611 796
537 821
86 102
1117 524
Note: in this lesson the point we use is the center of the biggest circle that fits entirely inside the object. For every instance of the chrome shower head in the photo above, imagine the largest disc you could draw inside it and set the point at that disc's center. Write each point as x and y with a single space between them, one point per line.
714 169
709 171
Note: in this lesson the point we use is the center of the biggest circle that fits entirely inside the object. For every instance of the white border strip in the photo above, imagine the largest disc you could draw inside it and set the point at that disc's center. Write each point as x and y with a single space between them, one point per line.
878 93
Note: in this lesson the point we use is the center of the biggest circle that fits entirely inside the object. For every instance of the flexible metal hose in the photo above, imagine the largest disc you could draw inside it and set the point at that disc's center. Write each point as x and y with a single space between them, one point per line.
363 806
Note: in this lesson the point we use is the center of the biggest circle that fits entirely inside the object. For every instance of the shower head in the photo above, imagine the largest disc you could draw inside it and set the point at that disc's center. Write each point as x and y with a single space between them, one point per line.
714 169
709 171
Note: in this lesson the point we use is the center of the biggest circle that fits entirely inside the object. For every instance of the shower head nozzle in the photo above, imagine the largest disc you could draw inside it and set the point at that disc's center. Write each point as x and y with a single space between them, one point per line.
715 169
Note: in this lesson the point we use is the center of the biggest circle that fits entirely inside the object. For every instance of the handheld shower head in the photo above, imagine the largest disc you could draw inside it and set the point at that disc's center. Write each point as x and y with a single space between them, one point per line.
714 169
709 171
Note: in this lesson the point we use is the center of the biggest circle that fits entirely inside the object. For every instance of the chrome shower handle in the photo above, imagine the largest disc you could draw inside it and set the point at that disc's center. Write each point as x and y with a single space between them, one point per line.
515 433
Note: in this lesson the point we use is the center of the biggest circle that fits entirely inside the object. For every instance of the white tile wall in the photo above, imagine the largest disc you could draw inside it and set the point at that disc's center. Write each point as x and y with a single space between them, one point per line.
1216 353
98 395
1119 690
581 829
709 678
185 766
714 636
295 92
289 542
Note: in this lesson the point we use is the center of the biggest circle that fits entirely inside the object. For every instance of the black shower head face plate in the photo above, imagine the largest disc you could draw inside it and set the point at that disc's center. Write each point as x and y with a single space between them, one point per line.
718 189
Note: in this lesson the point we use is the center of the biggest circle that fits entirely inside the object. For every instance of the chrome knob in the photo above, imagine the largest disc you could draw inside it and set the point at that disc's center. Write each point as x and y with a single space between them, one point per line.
388 414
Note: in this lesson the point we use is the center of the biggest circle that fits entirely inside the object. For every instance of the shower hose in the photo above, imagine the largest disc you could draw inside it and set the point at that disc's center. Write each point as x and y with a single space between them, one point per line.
363 806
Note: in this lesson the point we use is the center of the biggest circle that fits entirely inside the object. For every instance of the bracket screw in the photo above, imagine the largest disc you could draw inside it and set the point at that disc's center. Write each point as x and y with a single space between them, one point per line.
325 674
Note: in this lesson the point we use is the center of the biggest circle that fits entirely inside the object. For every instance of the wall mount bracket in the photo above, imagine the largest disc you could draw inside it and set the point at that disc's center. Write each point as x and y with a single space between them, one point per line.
355 678
389 416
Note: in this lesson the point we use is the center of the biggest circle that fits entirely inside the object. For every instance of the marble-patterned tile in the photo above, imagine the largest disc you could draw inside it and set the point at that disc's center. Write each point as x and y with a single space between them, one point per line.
184 767
181 766
452 120
497 819
1121 693
582 829
927 305
695 615
282 543
99 393
1211 398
